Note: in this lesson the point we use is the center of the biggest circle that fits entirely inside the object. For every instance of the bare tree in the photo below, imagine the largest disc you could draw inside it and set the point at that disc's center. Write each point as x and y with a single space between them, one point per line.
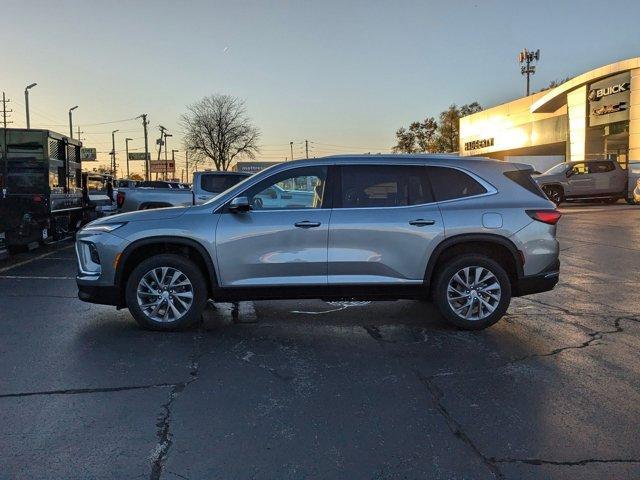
218 128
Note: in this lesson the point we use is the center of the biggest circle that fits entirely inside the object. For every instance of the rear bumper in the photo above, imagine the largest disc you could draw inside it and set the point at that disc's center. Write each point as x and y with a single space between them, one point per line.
102 295
541 282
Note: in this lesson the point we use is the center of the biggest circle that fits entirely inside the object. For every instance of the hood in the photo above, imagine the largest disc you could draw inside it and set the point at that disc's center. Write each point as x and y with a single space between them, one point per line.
155 214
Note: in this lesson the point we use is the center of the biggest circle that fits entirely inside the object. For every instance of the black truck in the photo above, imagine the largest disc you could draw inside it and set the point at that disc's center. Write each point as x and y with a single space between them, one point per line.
41 187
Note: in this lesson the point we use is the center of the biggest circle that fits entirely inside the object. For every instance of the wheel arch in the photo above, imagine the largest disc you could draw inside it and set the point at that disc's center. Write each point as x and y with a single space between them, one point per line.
495 246
145 247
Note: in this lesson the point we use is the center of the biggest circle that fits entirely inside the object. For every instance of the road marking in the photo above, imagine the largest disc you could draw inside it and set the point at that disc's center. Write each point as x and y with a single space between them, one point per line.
25 262
27 277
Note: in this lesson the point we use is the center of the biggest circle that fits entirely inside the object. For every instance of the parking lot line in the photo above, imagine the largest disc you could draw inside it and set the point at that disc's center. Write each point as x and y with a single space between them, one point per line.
30 260
28 277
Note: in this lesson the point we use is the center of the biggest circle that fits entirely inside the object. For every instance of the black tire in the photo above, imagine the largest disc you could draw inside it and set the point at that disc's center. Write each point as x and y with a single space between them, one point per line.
554 193
447 272
631 201
193 274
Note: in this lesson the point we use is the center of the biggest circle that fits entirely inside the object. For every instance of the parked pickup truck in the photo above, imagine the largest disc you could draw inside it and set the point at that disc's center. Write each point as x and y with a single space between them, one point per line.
602 180
206 185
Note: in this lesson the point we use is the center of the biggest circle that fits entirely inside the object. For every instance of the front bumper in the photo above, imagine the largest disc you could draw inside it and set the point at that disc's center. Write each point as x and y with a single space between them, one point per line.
100 294
541 282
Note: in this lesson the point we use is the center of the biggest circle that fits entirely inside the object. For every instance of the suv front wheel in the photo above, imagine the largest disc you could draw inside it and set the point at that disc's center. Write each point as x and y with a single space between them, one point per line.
166 292
472 291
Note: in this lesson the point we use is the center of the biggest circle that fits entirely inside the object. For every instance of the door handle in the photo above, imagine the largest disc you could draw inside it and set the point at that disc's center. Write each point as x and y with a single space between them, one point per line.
421 223
307 224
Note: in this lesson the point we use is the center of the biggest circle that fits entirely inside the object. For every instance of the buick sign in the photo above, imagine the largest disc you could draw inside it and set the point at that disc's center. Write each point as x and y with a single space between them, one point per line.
596 94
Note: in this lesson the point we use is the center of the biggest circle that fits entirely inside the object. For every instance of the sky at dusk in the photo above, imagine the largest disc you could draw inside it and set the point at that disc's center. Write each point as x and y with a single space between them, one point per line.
342 74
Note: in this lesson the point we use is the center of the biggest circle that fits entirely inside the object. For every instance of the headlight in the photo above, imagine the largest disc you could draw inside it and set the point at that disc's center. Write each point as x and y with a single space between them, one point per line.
103 227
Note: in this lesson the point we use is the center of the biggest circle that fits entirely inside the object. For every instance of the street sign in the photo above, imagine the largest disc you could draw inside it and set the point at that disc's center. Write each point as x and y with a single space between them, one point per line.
160 166
138 156
88 154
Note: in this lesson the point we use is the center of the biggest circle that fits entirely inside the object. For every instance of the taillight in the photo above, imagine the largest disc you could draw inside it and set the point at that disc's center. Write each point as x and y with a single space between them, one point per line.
120 199
37 199
550 217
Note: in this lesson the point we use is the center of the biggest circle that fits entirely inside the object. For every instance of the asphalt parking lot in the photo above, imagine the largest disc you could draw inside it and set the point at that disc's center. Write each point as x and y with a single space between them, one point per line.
307 389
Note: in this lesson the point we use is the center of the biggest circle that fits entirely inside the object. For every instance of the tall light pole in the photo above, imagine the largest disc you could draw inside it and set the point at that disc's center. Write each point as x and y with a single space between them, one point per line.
291 145
113 153
525 57
71 121
126 149
26 102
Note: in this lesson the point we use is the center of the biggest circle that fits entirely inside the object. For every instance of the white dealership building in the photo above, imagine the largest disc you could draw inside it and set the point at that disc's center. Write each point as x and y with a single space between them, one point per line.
592 116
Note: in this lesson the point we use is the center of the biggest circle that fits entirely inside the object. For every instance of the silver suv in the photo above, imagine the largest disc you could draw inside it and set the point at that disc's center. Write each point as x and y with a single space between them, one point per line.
593 179
467 233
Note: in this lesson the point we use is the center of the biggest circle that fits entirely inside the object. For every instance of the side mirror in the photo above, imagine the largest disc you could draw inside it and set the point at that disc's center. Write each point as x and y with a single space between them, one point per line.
239 205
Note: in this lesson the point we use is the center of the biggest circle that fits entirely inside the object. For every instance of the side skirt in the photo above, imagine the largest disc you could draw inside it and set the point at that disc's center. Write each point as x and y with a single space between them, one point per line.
322 292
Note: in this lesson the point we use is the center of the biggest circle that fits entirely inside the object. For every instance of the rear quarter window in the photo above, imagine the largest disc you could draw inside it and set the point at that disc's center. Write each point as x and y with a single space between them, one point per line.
523 178
450 183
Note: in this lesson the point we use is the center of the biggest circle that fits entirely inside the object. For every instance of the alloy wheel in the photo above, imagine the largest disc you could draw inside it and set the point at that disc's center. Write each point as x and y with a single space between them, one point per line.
164 294
473 293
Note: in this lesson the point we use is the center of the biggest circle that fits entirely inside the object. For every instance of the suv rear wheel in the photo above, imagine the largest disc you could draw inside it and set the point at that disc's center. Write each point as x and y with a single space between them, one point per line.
472 291
166 292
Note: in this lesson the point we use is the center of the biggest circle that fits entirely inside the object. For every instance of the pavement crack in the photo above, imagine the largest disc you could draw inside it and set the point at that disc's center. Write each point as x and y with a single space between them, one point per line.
163 433
594 336
79 391
455 426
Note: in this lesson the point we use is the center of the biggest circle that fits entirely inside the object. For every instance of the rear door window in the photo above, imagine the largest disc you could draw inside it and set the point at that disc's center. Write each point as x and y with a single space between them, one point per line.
374 186
601 167
450 183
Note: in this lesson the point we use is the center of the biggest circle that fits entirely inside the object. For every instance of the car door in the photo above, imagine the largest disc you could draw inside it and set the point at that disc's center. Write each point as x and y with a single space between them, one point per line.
277 243
384 225
609 177
580 180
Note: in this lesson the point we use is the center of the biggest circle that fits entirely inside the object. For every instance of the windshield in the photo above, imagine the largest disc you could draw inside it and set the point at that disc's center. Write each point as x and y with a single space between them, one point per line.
560 168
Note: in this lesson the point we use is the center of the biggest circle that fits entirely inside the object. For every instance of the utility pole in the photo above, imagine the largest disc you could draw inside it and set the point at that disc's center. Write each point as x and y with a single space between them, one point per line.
306 147
5 162
113 152
71 121
5 100
526 57
79 133
126 149
160 143
26 102
291 145
161 140
186 161
166 160
146 146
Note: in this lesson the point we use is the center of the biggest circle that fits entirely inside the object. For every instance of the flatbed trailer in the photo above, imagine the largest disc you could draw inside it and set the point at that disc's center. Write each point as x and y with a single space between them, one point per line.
41 196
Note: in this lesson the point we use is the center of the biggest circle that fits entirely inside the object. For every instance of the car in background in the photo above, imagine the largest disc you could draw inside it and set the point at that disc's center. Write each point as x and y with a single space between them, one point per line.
467 233
206 185
584 180
633 169
100 195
